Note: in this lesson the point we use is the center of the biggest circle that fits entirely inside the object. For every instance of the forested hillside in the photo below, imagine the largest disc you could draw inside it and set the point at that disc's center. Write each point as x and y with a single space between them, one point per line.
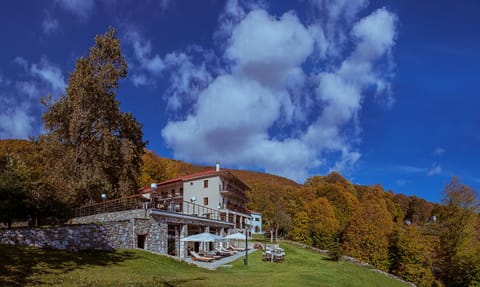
422 242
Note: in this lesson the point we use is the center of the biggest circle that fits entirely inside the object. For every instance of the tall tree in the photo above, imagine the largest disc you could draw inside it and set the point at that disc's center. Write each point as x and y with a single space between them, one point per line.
95 148
324 226
460 235
410 256
366 236
271 201
301 228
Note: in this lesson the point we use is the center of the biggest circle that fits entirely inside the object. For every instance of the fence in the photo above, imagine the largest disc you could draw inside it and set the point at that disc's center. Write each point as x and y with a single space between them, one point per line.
175 205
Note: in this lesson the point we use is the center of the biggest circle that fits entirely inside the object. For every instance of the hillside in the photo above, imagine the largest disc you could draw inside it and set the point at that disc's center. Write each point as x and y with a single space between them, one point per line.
38 267
159 169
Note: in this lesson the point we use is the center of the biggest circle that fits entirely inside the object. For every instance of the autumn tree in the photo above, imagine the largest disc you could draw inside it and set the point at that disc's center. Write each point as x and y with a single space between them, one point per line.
273 202
460 236
324 224
94 147
156 169
409 255
301 231
367 233
339 192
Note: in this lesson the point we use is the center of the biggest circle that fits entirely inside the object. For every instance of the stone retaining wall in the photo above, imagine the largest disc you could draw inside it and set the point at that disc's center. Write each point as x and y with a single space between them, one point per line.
98 236
112 216
71 237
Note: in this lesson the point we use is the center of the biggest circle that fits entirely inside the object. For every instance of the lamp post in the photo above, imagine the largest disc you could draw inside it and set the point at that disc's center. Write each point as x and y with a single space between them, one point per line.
247 224
103 196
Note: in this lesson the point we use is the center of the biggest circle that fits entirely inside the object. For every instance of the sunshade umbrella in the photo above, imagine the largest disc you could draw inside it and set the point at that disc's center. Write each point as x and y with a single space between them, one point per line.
203 237
236 236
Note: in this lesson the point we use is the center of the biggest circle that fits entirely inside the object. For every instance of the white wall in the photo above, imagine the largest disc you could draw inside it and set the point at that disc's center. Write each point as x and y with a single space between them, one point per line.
195 188
257 221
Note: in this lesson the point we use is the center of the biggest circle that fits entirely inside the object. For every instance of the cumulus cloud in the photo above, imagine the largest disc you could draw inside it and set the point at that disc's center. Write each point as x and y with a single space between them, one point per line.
79 8
283 103
16 122
20 99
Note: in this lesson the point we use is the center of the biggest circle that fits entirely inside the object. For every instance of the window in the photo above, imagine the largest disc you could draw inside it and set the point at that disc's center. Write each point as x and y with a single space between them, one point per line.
205 201
205 183
257 219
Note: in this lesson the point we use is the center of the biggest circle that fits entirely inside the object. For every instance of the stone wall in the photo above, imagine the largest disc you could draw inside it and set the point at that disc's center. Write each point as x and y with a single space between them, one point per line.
105 236
71 237
112 216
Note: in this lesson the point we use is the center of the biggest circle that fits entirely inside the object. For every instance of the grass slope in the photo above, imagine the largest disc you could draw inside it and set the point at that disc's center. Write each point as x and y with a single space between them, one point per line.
302 267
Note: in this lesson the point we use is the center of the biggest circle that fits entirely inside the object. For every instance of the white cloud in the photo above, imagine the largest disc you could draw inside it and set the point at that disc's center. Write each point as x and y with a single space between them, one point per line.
274 106
16 123
186 80
79 8
49 24
148 62
439 151
267 49
50 74
139 80
21 108
436 169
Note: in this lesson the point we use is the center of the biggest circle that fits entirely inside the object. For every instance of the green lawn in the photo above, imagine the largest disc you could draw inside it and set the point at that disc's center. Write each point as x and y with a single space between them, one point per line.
31 266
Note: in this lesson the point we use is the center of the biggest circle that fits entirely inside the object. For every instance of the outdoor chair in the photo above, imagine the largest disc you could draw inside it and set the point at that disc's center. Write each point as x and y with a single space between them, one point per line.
198 257
224 252
210 255
233 248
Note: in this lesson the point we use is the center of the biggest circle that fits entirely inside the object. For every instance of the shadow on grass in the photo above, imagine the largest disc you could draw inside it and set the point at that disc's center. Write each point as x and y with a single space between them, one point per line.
20 265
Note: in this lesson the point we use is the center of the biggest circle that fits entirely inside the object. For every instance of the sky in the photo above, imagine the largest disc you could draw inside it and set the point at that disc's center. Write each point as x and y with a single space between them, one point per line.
385 92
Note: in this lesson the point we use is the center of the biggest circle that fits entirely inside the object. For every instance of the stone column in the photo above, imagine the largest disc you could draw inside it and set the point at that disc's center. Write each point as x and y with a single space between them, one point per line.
163 238
183 233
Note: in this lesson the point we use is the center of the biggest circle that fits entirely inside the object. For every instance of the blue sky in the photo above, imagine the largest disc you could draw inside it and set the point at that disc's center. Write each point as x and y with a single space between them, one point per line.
383 91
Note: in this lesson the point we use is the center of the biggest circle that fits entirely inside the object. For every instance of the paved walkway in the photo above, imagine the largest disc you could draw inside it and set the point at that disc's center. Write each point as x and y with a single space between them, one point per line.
218 263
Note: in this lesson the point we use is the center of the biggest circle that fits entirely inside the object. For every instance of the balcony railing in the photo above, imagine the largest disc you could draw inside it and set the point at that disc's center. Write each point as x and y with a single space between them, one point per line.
174 205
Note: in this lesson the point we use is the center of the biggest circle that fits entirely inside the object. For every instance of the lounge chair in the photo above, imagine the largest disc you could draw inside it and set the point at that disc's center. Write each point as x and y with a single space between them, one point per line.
237 248
224 252
198 257
212 254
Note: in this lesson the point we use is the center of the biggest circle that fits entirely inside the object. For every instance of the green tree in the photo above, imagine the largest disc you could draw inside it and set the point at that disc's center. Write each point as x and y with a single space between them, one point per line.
459 238
93 147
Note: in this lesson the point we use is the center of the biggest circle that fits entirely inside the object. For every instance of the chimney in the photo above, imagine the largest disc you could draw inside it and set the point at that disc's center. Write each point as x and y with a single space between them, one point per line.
217 166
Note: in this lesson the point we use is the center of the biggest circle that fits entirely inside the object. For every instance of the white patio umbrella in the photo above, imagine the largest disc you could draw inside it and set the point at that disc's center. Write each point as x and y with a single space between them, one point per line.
236 236
203 237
